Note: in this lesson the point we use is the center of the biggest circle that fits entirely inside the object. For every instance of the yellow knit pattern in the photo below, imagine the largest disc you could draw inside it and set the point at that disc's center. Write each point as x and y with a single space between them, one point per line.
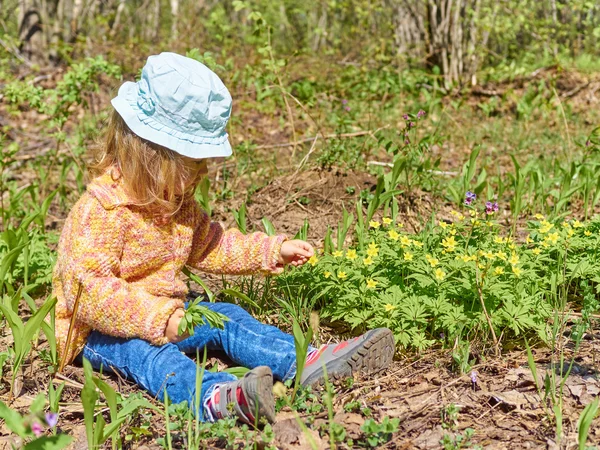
129 265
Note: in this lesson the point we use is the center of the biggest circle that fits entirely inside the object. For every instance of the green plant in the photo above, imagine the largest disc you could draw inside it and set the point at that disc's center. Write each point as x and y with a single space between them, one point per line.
459 441
379 433
23 333
30 428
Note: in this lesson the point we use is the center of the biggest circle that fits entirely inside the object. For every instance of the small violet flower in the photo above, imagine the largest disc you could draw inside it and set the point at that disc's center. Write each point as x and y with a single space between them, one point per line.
406 141
405 116
470 197
51 419
344 102
474 379
37 429
588 143
420 114
491 208
347 108
412 124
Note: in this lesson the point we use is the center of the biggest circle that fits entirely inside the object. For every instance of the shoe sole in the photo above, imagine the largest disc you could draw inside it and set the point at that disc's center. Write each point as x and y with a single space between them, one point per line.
260 394
373 355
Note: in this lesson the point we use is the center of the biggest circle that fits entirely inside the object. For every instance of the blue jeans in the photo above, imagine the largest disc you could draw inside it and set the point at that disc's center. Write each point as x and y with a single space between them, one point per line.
245 340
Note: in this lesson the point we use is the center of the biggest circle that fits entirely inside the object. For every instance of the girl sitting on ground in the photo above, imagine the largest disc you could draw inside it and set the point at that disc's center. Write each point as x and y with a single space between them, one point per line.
127 239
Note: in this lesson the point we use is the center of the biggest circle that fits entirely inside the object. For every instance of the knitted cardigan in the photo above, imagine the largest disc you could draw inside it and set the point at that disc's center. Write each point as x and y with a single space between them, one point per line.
129 265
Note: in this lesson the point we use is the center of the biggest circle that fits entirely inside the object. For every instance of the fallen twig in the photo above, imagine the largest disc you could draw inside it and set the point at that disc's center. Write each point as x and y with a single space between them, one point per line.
327 136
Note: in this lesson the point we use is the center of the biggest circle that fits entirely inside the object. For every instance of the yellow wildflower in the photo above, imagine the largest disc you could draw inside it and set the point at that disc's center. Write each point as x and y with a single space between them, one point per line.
326 274
529 240
374 224
499 240
481 266
440 274
552 238
393 235
570 232
517 271
488 255
338 253
431 260
371 284
373 245
351 254
452 231
417 244
368 261
458 215
536 251
408 256
313 260
546 226
587 232
372 251
466 258
449 243
389 307
475 222
514 259
443 224
577 224
386 220
489 223
501 255
539 217
404 240
473 213
341 275
498 271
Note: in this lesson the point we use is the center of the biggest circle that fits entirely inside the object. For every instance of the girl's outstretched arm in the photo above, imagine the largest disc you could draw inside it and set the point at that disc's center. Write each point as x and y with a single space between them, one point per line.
90 256
216 250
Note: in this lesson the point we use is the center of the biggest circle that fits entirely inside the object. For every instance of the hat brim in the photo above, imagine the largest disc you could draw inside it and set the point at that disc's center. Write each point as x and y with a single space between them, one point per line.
145 127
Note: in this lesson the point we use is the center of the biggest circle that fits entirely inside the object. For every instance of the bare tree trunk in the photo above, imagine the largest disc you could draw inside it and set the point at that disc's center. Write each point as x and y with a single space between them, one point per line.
174 18
118 14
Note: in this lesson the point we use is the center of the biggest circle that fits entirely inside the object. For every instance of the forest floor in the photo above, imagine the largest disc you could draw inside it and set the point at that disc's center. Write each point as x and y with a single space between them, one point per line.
496 397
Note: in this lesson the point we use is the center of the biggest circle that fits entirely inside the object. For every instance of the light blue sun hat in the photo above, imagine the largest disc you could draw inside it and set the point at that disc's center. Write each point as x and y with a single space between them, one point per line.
178 103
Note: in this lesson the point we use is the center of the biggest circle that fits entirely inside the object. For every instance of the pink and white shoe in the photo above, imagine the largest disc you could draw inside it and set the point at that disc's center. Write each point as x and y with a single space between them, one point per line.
369 353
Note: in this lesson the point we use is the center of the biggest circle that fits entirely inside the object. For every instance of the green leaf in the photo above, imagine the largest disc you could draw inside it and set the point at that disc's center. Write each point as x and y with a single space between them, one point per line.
585 421
56 442
13 420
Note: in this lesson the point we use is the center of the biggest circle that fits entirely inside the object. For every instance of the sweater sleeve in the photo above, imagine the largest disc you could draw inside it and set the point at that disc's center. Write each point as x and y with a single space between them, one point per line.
215 250
108 303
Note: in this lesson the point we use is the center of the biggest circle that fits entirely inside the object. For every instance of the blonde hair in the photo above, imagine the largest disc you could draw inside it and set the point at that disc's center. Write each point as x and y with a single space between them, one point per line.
155 177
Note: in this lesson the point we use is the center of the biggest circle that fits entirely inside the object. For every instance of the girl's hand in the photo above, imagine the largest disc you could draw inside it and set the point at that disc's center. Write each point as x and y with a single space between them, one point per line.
295 252
171 332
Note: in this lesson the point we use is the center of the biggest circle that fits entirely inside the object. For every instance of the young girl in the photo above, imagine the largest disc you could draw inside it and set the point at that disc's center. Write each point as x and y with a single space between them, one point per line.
127 239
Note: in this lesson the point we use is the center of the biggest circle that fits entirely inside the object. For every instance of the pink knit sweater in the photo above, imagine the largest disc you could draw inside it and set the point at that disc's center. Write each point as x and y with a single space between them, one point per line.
129 266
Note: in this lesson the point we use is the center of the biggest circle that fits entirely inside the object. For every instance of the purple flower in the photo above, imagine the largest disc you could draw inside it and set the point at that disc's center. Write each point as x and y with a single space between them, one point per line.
588 143
51 419
473 377
470 197
412 124
344 102
406 141
420 114
405 116
491 208
347 108
37 429
442 336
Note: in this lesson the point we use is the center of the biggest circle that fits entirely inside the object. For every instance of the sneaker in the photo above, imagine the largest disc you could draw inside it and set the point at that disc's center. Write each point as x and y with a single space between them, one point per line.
367 354
251 398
